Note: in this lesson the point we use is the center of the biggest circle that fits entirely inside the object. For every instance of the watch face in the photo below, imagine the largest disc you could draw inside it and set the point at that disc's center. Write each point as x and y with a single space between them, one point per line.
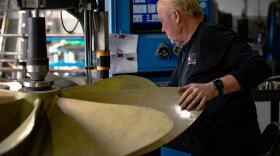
218 84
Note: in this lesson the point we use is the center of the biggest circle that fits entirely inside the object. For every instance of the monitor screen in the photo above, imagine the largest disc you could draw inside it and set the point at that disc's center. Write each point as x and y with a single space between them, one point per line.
144 17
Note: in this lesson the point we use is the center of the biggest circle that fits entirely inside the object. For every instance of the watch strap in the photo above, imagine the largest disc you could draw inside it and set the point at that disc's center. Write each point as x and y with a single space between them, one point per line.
219 86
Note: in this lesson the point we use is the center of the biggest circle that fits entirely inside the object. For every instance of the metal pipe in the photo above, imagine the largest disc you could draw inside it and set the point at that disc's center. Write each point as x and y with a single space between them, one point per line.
102 49
37 61
90 38
88 45
21 45
3 28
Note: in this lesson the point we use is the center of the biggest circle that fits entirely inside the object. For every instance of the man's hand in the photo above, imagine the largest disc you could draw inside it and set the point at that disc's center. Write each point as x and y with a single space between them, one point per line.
195 95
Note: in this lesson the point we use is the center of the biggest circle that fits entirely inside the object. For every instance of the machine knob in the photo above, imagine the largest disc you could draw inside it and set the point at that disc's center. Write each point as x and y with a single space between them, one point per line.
177 49
163 52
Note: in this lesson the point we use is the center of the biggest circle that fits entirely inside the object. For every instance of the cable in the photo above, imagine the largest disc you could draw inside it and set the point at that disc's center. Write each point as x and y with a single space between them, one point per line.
68 31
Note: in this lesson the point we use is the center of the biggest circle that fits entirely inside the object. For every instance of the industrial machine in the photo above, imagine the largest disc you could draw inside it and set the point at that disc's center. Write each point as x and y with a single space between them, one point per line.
156 56
104 118
92 16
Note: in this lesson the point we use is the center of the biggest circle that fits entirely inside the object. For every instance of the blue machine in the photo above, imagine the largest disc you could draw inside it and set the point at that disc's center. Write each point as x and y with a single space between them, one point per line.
147 42
121 13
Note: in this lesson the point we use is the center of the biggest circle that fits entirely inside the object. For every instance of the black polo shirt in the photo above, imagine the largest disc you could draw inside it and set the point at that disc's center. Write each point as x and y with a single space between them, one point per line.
228 124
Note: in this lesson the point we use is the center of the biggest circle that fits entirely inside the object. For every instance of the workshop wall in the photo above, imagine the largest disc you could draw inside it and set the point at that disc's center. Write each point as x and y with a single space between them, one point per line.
255 7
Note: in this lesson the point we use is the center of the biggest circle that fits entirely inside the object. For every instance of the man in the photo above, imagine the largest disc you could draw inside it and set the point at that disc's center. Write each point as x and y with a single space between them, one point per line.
215 71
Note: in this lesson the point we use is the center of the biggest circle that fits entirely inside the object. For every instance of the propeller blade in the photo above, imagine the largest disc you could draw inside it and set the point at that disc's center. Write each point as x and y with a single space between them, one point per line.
160 98
19 120
6 96
92 128
124 115
122 82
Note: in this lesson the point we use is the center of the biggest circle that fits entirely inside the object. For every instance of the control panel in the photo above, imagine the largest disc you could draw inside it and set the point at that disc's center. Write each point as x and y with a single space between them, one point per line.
155 53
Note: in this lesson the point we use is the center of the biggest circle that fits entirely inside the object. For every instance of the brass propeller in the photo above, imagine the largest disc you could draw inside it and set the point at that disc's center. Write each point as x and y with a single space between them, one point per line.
125 115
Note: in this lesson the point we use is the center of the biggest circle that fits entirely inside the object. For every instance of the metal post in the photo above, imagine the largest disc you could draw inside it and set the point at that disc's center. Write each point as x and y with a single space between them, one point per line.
102 49
37 60
88 43
2 43
21 47
3 27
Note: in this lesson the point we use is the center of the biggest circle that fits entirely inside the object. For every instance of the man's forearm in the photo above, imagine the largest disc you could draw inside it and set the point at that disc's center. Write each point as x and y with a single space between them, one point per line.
230 84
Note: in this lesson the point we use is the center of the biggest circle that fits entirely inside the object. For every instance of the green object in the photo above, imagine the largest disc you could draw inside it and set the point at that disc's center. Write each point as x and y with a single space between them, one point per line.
124 115
124 82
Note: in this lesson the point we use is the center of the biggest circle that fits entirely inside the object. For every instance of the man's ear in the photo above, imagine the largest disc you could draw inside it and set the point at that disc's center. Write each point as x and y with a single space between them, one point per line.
176 15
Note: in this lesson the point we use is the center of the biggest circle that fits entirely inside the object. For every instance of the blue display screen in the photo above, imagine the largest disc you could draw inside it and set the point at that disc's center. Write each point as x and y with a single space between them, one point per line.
144 17
144 12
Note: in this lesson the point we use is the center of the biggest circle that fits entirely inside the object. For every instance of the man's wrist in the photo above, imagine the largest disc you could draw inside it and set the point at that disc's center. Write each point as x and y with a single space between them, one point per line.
213 90
218 86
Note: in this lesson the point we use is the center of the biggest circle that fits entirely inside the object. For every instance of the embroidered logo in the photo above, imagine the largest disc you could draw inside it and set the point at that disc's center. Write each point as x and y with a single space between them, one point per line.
192 58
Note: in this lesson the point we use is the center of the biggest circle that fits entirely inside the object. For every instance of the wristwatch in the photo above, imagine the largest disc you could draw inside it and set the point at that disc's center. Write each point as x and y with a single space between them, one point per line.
219 86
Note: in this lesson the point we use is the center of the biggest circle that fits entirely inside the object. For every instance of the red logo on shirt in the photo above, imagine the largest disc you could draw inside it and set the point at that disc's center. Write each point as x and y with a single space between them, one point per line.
191 61
192 58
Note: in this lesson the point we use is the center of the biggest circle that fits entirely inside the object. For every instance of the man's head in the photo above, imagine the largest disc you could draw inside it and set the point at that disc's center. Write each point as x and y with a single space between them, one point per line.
176 16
